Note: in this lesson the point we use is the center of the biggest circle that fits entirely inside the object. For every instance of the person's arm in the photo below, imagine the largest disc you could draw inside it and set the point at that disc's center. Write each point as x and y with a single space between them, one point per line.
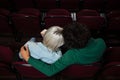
48 69
90 54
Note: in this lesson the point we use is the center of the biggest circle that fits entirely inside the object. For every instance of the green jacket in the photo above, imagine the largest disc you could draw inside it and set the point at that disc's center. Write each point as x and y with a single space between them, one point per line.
90 54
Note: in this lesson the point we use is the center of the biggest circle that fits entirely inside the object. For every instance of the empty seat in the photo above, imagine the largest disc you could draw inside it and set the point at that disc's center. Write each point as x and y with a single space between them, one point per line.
6 59
26 25
113 13
71 5
58 12
5 29
112 31
6 54
94 23
77 71
44 5
113 20
6 4
93 4
57 20
25 70
112 5
110 71
112 54
19 4
4 12
30 11
88 12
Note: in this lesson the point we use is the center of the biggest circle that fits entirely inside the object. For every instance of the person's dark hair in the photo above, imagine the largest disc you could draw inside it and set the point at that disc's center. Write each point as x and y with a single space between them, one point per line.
75 35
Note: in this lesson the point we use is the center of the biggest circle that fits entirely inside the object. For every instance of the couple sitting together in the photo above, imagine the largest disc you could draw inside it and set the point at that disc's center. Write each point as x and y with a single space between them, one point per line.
62 47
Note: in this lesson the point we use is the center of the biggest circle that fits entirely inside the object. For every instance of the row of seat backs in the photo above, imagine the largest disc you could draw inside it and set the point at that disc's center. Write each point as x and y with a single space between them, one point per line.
26 13
108 66
28 21
72 5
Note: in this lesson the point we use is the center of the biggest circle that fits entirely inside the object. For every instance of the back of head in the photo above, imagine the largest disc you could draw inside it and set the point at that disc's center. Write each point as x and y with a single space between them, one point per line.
75 35
53 38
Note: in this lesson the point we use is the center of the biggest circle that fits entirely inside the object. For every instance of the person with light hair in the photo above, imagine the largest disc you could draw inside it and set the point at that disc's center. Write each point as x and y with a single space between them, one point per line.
49 49
79 48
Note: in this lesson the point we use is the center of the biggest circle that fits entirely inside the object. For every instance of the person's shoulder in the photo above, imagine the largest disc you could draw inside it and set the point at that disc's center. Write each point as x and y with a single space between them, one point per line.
100 40
43 45
96 39
96 42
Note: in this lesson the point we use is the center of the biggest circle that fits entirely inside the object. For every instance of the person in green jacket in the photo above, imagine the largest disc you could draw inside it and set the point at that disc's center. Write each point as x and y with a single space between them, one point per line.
80 48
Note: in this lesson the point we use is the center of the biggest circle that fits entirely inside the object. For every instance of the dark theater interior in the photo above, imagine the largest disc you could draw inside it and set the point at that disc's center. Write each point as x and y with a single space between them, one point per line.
22 19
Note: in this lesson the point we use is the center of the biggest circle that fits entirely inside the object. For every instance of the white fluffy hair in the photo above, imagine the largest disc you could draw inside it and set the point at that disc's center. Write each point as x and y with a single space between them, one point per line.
53 38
